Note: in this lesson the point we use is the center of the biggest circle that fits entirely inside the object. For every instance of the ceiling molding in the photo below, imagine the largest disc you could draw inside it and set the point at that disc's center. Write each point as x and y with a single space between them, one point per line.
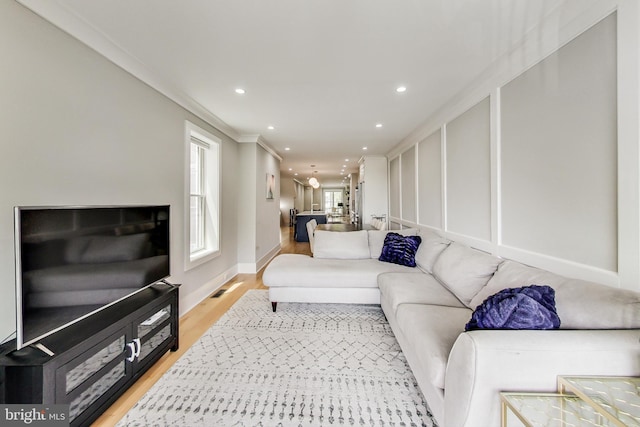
258 139
249 138
66 20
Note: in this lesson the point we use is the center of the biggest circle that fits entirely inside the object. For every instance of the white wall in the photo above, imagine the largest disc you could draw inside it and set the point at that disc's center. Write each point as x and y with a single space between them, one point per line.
78 130
430 180
408 171
313 196
300 196
468 173
267 210
374 187
287 197
538 160
353 183
558 149
247 208
395 188
259 217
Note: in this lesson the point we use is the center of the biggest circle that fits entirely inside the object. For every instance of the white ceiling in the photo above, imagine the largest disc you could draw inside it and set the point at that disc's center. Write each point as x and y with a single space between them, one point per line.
322 72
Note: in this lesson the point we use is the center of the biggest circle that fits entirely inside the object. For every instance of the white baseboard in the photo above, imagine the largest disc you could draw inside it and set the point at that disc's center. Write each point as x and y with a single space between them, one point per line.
254 267
247 267
268 257
189 301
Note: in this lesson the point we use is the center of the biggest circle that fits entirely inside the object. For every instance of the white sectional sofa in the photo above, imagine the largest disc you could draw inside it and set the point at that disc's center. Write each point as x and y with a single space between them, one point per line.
461 373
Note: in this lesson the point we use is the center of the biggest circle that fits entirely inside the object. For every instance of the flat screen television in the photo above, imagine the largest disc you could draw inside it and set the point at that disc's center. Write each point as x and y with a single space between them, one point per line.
74 261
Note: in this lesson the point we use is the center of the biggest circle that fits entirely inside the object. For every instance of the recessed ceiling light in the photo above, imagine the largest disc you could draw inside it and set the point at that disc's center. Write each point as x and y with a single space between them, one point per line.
270 127
287 148
240 91
401 89
290 169
378 125
296 174
364 148
344 166
346 160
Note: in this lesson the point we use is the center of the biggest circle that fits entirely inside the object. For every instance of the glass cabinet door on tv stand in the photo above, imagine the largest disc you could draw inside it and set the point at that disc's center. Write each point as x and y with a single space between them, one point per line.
88 378
152 331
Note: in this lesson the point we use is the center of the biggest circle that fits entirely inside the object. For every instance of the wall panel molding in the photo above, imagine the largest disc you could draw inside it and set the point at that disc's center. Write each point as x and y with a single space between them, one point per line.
616 185
558 149
408 188
429 180
468 174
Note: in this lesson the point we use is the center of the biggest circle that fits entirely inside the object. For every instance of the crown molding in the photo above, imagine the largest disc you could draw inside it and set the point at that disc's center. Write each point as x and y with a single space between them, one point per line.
258 139
69 22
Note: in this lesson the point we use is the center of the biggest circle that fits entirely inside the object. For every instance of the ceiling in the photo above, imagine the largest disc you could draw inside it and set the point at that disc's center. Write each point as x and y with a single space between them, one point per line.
323 73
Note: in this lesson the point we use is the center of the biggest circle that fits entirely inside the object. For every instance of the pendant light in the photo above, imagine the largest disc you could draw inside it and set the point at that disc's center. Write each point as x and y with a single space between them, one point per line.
313 181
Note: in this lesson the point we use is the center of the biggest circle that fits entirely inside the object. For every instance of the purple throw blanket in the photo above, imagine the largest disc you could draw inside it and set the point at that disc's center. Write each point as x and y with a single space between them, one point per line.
528 307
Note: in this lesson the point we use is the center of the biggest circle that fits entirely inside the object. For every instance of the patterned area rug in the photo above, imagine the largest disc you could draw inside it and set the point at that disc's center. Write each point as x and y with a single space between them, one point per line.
305 365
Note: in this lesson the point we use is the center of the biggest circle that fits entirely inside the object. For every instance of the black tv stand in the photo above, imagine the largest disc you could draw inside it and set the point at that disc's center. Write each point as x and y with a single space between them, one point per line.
95 360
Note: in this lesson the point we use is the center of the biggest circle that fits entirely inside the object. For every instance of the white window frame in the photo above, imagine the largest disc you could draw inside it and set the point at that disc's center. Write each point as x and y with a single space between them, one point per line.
210 183
329 196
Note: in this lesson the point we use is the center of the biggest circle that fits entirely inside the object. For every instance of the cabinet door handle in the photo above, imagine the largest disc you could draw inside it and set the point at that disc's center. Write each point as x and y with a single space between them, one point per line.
138 346
131 347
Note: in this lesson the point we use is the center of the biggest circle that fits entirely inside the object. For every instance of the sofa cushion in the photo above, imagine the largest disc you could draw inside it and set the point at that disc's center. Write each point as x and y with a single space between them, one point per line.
341 245
399 249
432 330
376 239
527 307
465 271
402 288
580 304
430 249
304 271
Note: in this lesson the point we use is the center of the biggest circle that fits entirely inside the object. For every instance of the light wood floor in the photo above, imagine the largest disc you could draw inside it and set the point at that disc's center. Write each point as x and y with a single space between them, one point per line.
192 326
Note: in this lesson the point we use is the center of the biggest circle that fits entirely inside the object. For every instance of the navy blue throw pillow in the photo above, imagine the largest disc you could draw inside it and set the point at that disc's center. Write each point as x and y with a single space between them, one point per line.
400 249
528 307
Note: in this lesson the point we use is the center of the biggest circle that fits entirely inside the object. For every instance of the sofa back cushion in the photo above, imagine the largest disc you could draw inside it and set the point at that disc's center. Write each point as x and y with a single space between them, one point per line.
341 244
464 271
376 239
580 304
430 249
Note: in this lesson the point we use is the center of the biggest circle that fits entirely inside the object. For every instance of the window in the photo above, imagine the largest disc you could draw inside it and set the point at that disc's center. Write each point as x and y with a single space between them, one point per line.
332 200
197 196
203 190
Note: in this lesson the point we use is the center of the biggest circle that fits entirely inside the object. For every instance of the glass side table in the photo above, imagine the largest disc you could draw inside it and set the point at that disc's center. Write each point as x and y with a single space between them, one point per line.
549 410
581 402
617 398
